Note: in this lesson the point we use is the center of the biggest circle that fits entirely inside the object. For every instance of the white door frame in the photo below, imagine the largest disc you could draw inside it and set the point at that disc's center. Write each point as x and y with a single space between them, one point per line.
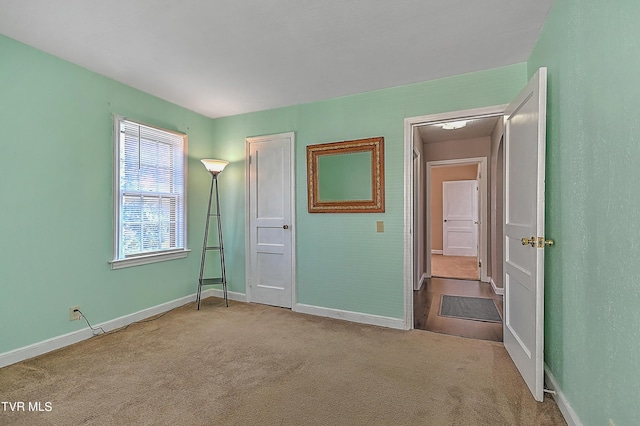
419 222
482 205
247 236
408 233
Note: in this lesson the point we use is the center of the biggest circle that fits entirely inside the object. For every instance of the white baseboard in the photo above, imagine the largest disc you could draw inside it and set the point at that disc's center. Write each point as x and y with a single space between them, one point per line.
232 295
350 316
570 416
436 251
44 346
421 281
58 342
496 289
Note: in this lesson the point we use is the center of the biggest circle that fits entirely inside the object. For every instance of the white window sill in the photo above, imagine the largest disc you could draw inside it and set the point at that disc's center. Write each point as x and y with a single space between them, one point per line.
150 258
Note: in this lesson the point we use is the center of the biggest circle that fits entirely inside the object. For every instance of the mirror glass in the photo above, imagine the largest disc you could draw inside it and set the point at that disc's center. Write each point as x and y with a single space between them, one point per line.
346 177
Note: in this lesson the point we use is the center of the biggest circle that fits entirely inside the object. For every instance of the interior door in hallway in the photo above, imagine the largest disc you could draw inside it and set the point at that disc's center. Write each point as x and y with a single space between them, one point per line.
525 136
270 208
460 218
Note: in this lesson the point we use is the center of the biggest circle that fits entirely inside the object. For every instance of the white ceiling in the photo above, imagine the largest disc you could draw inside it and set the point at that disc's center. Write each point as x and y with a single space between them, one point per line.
225 57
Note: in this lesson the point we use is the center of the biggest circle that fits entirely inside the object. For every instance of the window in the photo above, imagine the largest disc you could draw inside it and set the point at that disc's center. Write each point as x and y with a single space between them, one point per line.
150 192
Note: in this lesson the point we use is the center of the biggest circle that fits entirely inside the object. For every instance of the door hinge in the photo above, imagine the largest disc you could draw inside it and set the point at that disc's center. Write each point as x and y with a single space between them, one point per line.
480 264
249 159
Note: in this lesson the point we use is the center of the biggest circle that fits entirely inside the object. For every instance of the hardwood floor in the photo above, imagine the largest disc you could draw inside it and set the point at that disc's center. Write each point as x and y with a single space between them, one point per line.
461 267
426 306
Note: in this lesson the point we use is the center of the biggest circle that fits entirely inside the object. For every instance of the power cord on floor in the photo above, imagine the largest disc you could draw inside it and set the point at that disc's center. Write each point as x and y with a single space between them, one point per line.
100 331
146 320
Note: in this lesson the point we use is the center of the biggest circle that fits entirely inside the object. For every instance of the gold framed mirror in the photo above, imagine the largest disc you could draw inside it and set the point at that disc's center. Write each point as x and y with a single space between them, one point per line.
346 177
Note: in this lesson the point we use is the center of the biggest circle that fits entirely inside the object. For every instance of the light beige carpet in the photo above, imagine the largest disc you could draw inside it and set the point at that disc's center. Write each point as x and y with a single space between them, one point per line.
257 365
463 267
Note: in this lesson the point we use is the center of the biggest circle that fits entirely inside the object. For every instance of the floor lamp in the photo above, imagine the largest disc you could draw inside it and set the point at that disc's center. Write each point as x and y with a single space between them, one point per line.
214 167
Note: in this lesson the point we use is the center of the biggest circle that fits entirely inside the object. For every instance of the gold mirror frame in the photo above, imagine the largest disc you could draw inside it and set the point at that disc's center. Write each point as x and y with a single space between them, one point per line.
373 145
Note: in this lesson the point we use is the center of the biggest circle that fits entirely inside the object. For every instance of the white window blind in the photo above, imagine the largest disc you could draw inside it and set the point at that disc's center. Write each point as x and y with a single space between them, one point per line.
150 204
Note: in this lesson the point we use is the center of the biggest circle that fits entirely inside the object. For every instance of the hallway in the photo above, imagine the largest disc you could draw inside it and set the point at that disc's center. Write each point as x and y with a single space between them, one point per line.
426 308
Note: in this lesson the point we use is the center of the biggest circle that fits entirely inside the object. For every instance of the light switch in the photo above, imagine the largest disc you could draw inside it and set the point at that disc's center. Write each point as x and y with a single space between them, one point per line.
380 226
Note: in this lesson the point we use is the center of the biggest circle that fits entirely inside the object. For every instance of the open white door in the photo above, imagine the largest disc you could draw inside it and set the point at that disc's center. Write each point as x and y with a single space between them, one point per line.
271 216
460 218
525 138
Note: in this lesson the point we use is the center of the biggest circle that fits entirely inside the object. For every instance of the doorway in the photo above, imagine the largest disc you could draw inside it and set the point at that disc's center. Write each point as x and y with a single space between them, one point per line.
457 255
455 194
446 151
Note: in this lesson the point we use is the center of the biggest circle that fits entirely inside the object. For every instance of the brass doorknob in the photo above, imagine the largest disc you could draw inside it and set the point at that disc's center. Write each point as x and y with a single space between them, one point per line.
529 241
285 227
542 242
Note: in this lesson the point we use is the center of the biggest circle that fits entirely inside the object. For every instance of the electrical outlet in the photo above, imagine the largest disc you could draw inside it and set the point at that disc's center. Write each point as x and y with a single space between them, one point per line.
74 313
380 226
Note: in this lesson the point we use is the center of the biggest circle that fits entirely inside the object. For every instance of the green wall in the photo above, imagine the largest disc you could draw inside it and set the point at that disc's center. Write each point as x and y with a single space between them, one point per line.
56 210
592 299
342 262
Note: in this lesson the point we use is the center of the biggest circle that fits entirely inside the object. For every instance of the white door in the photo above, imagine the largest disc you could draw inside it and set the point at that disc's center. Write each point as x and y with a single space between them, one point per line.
270 269
525 136
460 218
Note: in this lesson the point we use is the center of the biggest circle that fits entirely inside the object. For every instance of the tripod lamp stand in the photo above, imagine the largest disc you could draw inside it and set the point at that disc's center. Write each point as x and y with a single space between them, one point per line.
215 167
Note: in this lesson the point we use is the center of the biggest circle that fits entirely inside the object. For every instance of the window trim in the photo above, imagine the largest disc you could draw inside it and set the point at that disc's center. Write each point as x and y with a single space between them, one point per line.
145 259
153 257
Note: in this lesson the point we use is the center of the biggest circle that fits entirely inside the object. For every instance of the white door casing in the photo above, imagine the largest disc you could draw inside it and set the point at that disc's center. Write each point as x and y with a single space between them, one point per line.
525 138
460 218
419 222
270 215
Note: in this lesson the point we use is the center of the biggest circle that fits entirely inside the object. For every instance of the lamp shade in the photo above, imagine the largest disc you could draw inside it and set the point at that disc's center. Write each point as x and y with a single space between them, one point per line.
214 166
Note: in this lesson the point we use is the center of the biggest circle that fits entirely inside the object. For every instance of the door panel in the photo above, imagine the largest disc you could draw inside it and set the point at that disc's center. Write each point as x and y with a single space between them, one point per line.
270 216
525 137
460 215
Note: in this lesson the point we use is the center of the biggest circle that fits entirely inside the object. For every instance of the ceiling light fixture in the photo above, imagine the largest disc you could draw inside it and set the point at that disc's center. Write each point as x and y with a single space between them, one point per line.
453 125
